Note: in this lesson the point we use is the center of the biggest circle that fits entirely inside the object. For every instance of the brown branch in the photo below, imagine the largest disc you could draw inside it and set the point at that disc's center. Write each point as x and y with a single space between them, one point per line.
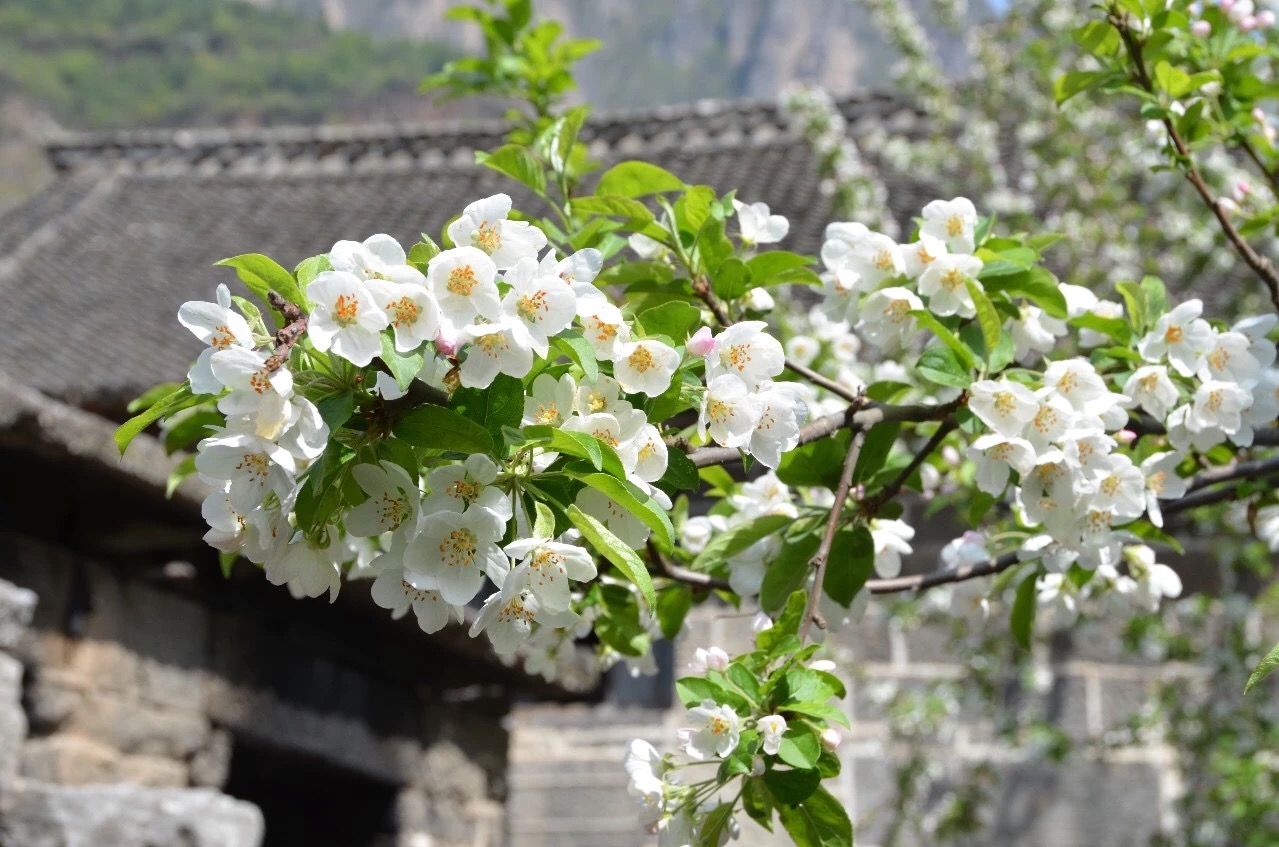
822 556
287 335
1259 264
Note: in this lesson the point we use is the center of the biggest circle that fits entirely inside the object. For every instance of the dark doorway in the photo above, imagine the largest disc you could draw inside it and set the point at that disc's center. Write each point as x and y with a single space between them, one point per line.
307 801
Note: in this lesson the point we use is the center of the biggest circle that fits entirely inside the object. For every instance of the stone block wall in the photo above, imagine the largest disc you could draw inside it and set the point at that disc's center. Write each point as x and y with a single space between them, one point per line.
111 681
568 789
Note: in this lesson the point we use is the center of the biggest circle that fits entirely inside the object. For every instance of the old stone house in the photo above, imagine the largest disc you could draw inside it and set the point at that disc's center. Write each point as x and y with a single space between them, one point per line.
127 660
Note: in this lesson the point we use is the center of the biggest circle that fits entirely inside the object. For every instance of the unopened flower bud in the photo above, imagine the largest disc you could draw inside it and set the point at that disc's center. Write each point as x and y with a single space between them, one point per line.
759 300
951 456
823 665
1265 19
1125 436
1248 23
701 342
446 345
761 623
830 739
1201 29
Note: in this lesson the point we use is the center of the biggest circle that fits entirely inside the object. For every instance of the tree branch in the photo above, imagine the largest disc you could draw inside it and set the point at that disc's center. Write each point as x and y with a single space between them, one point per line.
820 559
682 574
872 506
1260 265
287 335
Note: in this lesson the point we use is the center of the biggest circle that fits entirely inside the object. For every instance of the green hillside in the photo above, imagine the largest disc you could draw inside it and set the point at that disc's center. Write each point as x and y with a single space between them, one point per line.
97 64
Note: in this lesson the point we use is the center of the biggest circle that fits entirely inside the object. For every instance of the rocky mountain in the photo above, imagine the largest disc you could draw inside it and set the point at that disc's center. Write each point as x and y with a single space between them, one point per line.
664 51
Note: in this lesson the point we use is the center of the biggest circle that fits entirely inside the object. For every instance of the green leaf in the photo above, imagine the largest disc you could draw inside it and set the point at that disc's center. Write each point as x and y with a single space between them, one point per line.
261 274
601 455
732 275
876 448
1172 79
443 429
786 626
815 463
790 787
544 522
579 351
614 206
778 267
518 163
714 825
180 472
309 269
852 560
191 428
800 748
987 317
500 405
612 548
1035 284
176 401
636 179
681 473
940 365
1073 82
676 319
961 351
1155 296
745 682
421 254
336 409
673 604
819 821
632 499
787 572
821 711
1023 613
403 366
1264 669
757 802
729 543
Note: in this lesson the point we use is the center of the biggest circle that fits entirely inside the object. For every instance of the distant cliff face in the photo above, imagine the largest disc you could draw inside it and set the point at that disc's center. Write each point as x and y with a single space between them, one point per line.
666 51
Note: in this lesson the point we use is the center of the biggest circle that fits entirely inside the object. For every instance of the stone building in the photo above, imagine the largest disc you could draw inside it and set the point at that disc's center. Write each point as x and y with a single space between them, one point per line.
144 699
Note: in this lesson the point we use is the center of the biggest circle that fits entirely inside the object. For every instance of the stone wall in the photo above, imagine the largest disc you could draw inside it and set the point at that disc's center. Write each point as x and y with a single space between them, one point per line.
112 680
567 786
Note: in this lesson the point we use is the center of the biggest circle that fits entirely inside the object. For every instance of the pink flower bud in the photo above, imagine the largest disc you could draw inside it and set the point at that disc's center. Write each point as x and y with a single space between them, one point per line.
1258 115
1265 19
701 342
1242 190
446 345
951 456
830 739
1248 22
1125 436
1227 5
1201 29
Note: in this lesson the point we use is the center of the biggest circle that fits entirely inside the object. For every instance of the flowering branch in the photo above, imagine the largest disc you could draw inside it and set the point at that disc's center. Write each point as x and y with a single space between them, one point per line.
1260 265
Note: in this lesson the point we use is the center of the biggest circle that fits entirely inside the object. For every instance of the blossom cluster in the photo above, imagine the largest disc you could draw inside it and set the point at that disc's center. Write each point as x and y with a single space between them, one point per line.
432 532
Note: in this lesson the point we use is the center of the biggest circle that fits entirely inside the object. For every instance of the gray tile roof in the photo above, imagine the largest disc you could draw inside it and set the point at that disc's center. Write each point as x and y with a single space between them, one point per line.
92 270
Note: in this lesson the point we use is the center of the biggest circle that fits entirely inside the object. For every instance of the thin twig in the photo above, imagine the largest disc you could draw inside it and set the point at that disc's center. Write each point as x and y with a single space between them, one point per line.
873 504
820 559
1266 172
682 574
1260 265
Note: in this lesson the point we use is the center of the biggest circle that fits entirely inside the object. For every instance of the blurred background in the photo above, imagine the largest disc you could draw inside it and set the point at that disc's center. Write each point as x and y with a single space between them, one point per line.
145 699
